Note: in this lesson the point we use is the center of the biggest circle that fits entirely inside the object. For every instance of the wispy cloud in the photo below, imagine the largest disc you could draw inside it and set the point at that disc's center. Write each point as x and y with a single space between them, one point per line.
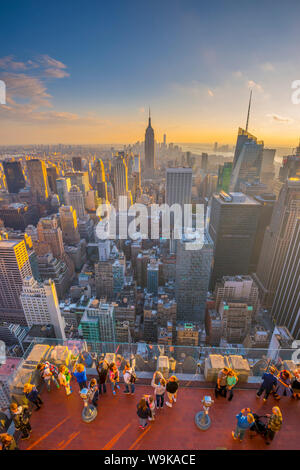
283 119
28 99
256 86
210 92
267 67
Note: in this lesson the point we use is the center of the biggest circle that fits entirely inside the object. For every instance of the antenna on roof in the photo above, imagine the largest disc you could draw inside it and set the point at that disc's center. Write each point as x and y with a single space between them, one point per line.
249 107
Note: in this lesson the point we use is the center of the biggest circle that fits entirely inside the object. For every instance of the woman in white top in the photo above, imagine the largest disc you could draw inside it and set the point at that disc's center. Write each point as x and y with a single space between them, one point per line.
159 389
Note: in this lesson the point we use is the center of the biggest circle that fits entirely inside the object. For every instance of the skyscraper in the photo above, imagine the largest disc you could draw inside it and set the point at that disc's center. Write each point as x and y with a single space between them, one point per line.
248 164
286 306
69 226
14 267
77 201
233 225
149 148
77 163
120 177
277 239
14 176
224 176
40 305
63 186
193 268
38 179
49 233
178 186
52 175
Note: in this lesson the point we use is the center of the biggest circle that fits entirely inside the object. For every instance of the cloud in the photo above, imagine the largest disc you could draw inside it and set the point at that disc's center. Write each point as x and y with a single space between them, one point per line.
237 74
48 61
56 73
9 63
28 100
276 117
20 87
267 67
254 85
210 92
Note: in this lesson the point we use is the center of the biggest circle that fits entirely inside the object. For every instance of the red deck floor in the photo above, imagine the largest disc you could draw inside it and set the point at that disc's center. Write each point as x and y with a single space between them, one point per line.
58 424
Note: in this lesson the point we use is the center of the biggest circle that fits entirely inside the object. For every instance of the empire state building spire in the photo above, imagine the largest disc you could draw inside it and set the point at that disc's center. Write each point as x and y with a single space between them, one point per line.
149 148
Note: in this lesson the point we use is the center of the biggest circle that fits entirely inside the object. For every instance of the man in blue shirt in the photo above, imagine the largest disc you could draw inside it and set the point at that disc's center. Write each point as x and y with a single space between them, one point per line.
268 384
243 423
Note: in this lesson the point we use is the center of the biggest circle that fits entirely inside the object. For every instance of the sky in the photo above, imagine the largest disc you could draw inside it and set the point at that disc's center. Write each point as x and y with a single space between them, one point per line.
85 72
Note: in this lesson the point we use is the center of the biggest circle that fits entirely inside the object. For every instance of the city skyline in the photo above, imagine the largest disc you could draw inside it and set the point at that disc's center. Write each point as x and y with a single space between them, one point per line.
79 86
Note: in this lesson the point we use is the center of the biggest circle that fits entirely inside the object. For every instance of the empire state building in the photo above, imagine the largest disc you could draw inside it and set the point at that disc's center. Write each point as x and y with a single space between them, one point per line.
149 148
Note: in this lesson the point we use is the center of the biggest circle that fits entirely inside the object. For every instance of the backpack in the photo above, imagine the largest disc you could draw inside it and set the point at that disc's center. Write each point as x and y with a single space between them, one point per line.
53 369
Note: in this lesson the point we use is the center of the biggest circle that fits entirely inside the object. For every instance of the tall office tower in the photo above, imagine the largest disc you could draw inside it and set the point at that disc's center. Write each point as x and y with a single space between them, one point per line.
14 176
165 140
118 272
98 322
243 136
224 177
136 173
267 172
178 186
277 239
119 171
77 201
49 234
38 179
204 161
153 276
77 163
267 202
104 280
286 305
40 305
52 175
63 187
14 267
236 320
79 178
193 269
290 167
149 148
208 185
101 185
69 226
60 270
248 165
233 224
240 288
100 171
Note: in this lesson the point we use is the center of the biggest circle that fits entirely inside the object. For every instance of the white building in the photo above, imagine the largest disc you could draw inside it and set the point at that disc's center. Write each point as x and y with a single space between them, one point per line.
40 305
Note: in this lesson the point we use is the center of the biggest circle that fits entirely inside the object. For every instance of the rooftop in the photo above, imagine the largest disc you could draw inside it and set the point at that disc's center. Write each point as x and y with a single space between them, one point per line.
58 425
